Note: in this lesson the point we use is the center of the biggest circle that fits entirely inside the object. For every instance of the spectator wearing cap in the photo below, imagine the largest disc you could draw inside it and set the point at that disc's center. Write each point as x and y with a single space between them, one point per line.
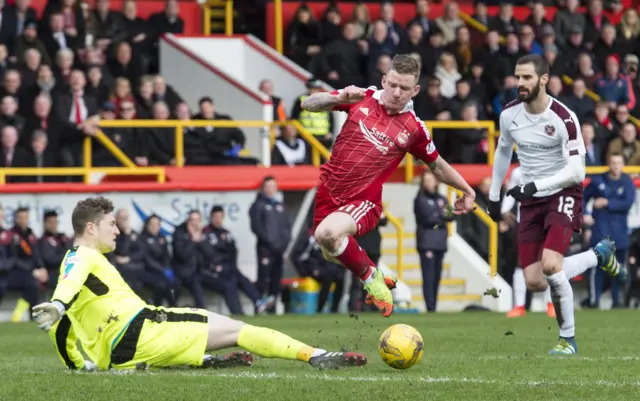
320 125
594 21
572 49
29 40
613 87
547 36
566 19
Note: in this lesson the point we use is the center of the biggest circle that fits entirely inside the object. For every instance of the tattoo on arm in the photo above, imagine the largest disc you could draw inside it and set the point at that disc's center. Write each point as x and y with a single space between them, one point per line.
435 167
320 102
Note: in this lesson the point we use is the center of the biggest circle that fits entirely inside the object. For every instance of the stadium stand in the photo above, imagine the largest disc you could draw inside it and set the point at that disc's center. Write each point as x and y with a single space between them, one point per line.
81 79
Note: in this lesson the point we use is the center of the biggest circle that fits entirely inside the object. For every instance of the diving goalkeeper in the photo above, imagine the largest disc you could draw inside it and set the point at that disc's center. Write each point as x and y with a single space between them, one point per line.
118 330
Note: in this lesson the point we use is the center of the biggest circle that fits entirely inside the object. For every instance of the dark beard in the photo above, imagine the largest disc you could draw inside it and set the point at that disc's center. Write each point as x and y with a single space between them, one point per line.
530 96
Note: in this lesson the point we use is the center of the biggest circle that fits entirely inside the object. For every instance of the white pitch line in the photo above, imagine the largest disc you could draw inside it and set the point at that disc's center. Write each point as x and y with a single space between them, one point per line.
425 379
539 357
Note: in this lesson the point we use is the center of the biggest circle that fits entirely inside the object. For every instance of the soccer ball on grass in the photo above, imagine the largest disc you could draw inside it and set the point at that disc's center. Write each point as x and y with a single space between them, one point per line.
400 346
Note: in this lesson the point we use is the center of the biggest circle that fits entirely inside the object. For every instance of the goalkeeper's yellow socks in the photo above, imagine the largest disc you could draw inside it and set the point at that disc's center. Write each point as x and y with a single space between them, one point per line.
269 343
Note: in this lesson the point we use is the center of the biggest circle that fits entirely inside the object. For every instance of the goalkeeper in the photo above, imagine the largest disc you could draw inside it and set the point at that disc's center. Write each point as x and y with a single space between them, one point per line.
118 330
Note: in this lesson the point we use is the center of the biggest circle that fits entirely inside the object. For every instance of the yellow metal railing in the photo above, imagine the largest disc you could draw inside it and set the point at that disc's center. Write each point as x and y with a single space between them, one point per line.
397 224
489 125
207 14
86 170
159 172
486 220
591 170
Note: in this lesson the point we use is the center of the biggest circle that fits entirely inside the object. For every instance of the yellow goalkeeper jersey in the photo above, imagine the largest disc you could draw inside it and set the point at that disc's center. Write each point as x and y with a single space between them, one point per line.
99 306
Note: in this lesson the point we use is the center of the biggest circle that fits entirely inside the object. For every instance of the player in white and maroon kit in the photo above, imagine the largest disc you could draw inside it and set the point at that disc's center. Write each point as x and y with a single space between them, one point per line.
551 154
380 130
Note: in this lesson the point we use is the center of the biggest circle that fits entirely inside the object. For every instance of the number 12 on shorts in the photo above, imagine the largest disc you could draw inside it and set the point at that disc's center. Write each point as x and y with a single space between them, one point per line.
565 205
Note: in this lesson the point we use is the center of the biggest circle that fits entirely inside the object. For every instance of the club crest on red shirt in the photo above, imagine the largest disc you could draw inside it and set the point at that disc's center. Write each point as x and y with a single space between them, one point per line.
549 130
403 137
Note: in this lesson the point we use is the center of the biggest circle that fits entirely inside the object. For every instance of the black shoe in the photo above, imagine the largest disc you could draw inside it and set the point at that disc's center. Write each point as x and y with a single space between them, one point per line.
231 360
337 360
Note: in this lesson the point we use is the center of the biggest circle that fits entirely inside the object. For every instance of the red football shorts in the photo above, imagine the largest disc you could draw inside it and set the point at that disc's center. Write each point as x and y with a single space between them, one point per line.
548 223
366 213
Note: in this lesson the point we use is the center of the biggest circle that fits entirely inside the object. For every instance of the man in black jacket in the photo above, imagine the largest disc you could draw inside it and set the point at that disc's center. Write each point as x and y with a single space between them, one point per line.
53 245
128 255
188 241
27 272
272 227
429 208
221 273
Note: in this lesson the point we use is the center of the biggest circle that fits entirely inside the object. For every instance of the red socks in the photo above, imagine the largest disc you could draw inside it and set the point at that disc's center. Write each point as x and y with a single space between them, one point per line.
355 258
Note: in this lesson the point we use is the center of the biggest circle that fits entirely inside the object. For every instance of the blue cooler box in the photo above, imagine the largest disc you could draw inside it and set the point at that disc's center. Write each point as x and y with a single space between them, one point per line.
304 296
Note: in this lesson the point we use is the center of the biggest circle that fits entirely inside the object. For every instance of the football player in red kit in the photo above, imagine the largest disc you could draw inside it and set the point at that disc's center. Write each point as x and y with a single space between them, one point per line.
380 130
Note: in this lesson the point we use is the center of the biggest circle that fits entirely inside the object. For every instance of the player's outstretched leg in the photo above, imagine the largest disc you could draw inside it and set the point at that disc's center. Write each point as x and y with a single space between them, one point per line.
335 236
605 251
602 256
225 332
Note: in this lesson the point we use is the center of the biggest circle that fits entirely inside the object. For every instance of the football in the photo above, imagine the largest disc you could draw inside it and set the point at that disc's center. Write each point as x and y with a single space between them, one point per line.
400 346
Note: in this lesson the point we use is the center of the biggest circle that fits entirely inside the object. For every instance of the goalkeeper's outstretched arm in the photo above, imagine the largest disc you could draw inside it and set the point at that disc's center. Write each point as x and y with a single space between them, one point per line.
65 342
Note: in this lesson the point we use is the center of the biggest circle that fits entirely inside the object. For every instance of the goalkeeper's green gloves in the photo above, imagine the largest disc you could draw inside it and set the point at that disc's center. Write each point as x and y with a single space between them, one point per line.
47 314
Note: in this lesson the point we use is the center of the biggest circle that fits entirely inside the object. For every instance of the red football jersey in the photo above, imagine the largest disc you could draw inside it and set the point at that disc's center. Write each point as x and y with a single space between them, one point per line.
371 145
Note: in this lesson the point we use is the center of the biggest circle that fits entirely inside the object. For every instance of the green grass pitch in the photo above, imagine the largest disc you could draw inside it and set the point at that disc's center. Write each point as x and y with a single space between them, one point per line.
468 356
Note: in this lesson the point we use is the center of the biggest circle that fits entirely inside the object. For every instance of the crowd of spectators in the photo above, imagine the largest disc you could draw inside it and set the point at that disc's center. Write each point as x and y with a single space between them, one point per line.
73 65
467 74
